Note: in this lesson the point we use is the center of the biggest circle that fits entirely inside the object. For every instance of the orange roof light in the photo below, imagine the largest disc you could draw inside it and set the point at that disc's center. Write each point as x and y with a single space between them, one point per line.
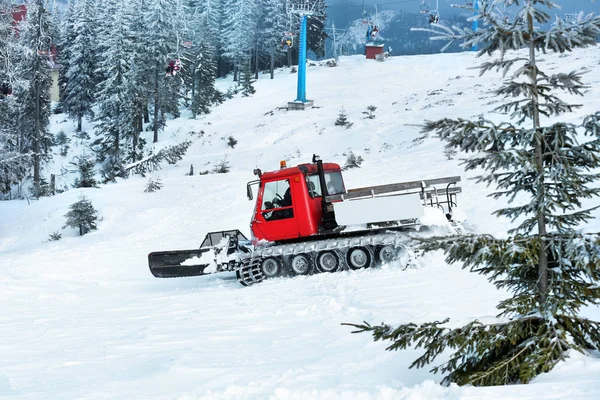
282 164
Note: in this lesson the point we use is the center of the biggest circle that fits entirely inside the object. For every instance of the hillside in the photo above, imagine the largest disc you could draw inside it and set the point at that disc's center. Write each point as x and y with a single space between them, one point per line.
84 318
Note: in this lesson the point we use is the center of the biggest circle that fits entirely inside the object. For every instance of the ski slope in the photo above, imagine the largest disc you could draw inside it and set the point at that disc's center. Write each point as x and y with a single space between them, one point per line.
83 318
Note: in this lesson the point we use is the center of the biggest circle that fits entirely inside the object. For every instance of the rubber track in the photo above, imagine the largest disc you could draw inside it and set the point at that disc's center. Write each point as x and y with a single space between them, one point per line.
250 271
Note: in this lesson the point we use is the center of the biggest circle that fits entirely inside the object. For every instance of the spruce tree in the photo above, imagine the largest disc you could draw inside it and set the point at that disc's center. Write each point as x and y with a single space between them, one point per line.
240 32
342 119
63 46
207 20
85 167
203 79
315 35
141 68
78 97
115 94
32 86
160 20
246 80
14 165
547 264
82 215
274 24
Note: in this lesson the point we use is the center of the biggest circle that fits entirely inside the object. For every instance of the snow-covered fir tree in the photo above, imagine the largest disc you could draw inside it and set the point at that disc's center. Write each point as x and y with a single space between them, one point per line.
246 80
315 35
85 167
14 166
6 34
141 68
63 45
204 72
32 81
275 23
82 216
160 20
545 168
80 67
207 19
115 115
239 35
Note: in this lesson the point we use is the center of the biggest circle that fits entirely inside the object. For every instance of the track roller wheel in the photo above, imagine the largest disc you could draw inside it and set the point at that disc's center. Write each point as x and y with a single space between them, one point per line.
389 253
250 272
359 257
300 264
328 261
394 253
271 267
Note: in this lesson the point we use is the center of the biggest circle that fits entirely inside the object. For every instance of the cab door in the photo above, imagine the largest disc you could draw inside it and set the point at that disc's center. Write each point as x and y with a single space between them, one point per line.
275 218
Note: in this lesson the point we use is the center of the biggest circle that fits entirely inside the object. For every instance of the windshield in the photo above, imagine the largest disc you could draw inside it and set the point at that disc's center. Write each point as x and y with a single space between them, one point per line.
333 180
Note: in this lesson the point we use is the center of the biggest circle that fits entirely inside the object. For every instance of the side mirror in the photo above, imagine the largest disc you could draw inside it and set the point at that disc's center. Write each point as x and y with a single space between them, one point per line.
249 189
249 192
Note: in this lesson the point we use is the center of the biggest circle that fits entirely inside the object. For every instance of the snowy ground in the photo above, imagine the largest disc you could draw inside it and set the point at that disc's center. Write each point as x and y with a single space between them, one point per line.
82 318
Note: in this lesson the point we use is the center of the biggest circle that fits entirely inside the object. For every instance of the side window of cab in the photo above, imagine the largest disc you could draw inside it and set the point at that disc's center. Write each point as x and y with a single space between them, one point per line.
277 200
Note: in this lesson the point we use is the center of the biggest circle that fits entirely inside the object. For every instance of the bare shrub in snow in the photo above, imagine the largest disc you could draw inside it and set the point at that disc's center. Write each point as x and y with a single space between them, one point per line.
222 167
153 185
352 161
370 112
55 236
450 153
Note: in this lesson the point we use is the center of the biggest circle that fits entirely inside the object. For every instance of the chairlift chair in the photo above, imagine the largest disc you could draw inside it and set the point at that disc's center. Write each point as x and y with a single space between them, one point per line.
5 90
434 17
287 42
173 67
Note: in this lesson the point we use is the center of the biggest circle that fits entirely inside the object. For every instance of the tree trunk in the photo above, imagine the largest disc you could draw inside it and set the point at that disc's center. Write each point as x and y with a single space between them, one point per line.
219 66
146 113
539 162
79 123
137 128
194 79
37 136
256 62
155 139
272 69
117 140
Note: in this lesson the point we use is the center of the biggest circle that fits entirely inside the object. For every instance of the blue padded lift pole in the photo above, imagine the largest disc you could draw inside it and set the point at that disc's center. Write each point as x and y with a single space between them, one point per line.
475 23
302 62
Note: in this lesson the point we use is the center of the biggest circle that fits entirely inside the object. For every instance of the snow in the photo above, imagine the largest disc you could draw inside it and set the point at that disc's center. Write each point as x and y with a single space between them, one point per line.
83 317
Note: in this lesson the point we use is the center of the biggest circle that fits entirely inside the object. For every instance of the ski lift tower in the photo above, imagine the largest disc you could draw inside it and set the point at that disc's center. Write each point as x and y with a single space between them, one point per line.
471 5
303 8
475 21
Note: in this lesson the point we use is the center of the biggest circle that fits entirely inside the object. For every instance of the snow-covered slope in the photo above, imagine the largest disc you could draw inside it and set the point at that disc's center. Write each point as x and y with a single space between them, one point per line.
82 318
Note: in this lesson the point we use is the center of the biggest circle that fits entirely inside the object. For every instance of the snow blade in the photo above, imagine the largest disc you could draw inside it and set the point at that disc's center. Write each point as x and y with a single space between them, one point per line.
177 263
